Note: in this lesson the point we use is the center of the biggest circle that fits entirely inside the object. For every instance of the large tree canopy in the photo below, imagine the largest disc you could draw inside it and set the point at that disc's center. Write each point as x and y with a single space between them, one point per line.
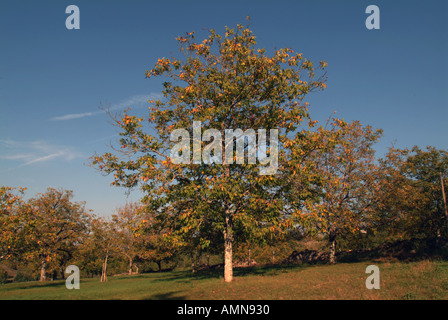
218 84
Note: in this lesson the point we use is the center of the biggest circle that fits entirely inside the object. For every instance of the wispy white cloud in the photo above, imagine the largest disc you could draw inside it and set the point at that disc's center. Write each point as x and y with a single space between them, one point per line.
72 116
42 159
133 101
25 153
16 156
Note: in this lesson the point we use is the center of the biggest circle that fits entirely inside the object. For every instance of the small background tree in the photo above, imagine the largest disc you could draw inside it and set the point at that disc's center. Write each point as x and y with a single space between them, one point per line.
347 172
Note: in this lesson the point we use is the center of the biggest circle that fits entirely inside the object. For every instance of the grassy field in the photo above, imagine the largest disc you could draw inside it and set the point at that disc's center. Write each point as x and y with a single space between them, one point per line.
413 280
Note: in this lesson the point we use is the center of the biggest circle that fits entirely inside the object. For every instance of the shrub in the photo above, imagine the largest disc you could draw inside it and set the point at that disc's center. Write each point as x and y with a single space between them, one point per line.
23 276
3 277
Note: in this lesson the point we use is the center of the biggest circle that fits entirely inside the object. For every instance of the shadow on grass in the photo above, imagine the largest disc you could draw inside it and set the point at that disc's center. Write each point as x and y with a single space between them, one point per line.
270 270
172 295
186 276
34 284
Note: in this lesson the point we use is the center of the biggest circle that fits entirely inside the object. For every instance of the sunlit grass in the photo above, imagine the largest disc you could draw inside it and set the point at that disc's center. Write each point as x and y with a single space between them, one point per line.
414 280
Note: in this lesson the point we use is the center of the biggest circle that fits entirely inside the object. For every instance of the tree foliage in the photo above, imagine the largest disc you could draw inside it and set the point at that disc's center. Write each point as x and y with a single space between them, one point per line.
11 222
224 82
347 182
54 226
411 197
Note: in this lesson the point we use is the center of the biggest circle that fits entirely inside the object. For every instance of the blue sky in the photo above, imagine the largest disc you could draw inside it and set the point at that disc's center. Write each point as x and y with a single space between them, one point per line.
53 80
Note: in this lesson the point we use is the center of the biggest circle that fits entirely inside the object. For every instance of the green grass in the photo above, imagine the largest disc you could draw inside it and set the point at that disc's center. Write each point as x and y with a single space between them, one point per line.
398 280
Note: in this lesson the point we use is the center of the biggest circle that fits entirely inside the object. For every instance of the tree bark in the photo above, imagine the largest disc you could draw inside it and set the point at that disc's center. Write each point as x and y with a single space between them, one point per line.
228 240
193 264
43 270
61 272
332 239
104 271
228 230
130 266
444 201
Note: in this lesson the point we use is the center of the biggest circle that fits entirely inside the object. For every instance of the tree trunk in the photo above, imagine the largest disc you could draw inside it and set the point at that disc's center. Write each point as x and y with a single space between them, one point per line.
104 271
43 270
195 256
228 230
228 240
332 239
130 266
444 201
193 263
